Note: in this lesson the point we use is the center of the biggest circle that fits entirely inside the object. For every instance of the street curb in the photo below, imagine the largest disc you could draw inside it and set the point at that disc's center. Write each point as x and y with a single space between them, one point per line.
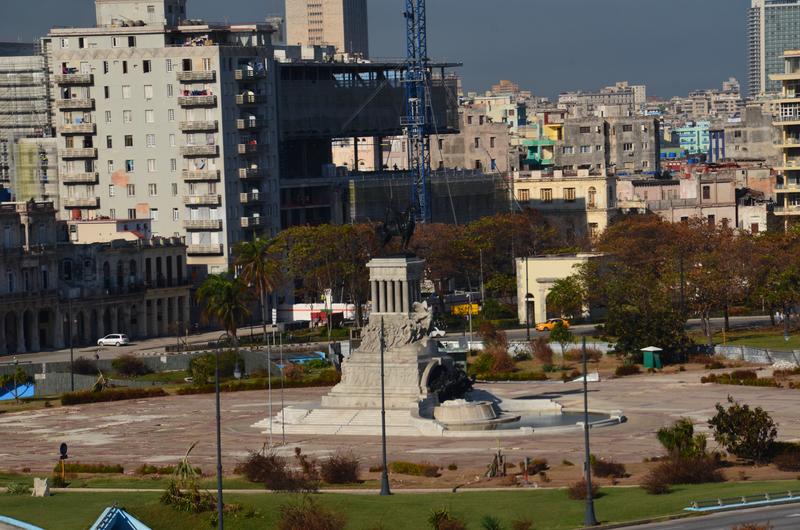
663 519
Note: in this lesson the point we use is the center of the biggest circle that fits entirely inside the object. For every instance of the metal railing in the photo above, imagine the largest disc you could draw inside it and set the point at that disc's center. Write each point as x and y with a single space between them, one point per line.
251 222
198 75
199 150
77 128
201 199
75 103
250 99
197 101
78 152
82 203
80 178
727 503
198 125
205 250
203 224
250 173
201 174
245 74
74 79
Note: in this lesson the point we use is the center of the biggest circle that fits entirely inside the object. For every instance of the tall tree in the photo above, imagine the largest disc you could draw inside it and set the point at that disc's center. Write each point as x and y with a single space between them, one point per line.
224 299
259 266
567 296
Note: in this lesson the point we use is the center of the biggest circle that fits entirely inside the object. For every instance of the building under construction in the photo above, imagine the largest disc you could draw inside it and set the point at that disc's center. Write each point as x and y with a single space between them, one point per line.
319 103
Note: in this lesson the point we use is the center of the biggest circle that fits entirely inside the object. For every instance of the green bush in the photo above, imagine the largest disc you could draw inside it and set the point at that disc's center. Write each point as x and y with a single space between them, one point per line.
741 378
341 468
325 378
494 310
308 514
84 366
512 376
203 366
111 394
627 369
18 488
80 467
128 365
482 365
317 364
149 469
410 468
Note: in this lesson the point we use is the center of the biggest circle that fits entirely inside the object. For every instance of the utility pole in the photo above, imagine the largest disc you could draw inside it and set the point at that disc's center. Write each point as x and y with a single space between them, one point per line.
527 303
385 470
589 517
483 294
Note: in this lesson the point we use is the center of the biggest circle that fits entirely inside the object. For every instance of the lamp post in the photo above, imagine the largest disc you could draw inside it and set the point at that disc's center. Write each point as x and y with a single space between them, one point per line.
469 316
71 346
527 303
224 337
589 518
385 472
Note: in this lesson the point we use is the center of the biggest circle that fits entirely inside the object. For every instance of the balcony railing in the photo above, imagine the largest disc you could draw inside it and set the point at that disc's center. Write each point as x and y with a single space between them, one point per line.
204 250
249 198
198 75
201 126
249 149
199 150
205 200
250 99
252 222
199 175
79 178
197 101
82 203
74 79
75 104
251 173
79 152
203 224
78 128
246 74
249 124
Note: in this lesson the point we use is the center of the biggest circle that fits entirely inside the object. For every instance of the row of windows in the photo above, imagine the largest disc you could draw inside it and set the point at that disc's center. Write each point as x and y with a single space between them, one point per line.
568 195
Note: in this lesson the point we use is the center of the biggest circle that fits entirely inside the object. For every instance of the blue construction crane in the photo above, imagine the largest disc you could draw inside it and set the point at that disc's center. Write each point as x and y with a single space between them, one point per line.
417 118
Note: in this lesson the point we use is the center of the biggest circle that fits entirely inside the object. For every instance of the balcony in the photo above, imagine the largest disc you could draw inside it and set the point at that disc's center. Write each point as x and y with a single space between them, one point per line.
792 209
790 164
74 79
79 178
200 175
250 173
249 124
75 104
82 203
78 128
201 200
249 149
200 150
250 99
247 74
197 75
204 250
250 198
213 225
198 126
252 222
78 152
197 101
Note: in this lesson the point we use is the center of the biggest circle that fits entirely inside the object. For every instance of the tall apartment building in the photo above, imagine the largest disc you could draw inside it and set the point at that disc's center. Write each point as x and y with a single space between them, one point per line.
168 119
338 23
24 91
788 192
772 29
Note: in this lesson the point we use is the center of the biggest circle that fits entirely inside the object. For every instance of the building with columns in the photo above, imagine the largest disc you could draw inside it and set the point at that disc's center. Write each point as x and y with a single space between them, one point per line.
53 290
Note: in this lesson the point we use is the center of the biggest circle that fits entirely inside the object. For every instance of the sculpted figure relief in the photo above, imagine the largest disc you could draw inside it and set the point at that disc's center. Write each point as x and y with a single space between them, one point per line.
398 332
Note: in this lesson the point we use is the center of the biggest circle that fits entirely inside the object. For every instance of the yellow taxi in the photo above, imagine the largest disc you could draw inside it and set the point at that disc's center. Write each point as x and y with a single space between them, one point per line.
551 323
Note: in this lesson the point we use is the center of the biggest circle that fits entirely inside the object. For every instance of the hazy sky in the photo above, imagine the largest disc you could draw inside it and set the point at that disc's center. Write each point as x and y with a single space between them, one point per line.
547 46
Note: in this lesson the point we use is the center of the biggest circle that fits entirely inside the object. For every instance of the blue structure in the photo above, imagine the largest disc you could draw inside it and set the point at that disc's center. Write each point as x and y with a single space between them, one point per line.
10 393
418 106
114 518
716 145
13 523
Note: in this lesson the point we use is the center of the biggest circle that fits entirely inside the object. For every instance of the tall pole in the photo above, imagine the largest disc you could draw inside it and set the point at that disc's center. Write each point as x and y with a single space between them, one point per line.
483 293
283 408
221 524
269 362
527 303
71 349
469 315
589 518
385 470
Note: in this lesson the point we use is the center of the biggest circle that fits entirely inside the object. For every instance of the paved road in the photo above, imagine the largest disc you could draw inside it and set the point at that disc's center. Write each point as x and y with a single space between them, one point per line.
783 517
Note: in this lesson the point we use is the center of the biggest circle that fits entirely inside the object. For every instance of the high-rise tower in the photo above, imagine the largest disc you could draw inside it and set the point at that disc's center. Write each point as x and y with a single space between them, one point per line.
772 29
339 23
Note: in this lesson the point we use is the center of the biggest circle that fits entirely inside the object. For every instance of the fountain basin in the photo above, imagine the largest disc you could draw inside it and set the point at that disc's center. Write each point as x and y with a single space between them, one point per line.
459 412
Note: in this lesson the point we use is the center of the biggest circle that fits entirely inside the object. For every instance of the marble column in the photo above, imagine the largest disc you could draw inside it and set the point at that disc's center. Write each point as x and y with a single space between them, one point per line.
141 320
374 288
390 303
152 326
173 311
404 295
21 333
398 296
382 297
185 313
101 323
34 331
115 320
58 330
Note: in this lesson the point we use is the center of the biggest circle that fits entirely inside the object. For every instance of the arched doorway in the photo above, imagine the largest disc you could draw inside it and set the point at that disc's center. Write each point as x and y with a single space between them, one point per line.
530 310
46 328
28 329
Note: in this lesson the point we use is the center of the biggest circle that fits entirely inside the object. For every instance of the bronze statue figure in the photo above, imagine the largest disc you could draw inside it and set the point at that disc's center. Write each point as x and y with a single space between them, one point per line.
397 224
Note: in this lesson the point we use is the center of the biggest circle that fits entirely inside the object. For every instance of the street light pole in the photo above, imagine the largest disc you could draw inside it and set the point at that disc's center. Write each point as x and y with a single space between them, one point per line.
71 348
385 471
527 303
469 315
220 505
589 518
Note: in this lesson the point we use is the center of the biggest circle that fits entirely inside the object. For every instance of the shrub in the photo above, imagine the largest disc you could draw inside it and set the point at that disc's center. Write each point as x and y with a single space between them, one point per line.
308 514
536 466
452 467
593 355
491 523
696 470
317 364
18 488
483 364
491 335
341 468
744 432
149 469
128 365
522 356
542 351
325 378
203 366
442 519
513 376
57 482
715 365
608 468
566 462
273 471
189 499
788 461
501 360
577 490
112 394
680 440
627 369
84 366
522 524
741 378
80 467
655 484
294 372
410 468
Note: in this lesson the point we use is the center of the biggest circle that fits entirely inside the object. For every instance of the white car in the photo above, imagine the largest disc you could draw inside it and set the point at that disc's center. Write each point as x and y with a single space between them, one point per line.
115 339
437 333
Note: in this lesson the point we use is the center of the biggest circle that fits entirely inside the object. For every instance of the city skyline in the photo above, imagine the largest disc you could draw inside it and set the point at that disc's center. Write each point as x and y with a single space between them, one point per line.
670 64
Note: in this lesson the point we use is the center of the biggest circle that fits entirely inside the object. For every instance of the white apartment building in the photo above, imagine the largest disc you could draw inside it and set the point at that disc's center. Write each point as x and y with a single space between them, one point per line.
338 23
173 120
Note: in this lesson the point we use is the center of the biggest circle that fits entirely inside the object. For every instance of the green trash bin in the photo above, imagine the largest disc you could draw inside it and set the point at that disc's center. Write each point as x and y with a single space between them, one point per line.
652 359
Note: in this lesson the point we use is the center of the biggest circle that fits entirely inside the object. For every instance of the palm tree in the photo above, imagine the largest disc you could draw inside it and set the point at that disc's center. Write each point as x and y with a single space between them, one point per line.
225 299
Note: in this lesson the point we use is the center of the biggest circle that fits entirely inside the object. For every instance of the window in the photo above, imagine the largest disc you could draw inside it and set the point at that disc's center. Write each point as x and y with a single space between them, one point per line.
131 188
131 42
477 143
151 165
569 194
150 140
627 128
128 140
126 92
170 91
175 215
127 116
568 150
207 66
492 141
585 130
627 146
591 197
124 67
105 67
112 213
645 146
706 192
586 149
109 142
478 164
131 213
598 148
108 116
173 164
110 166
149 116
148 92
593 230
546 194
154 214
64 43
114 42
171 114
129 166
174 189
712 220
111 190
754 228
469 120
147 66
738 134
645 163
169 65
524 195
106 92
152 190
440 142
